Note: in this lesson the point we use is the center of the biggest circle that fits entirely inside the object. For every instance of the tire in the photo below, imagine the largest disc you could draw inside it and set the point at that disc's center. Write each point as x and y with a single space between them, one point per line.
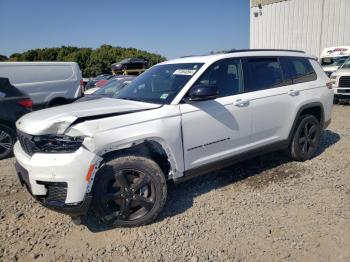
7 140
129 191
306 138
335 100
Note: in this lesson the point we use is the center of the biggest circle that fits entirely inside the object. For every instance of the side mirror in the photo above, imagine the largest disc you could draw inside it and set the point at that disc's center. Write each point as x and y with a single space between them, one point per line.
202 92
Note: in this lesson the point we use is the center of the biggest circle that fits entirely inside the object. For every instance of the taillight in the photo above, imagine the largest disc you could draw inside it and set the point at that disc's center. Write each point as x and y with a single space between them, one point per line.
27 103
82 88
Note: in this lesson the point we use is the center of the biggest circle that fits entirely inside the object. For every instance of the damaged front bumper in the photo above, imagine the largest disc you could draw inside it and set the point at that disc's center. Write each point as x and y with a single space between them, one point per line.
58 181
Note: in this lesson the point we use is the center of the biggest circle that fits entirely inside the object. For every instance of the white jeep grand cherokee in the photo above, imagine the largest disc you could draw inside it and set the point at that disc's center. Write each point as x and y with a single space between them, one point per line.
179 119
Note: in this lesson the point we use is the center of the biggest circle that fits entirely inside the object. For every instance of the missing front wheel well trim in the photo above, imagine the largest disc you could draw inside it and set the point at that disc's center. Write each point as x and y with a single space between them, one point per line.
150 149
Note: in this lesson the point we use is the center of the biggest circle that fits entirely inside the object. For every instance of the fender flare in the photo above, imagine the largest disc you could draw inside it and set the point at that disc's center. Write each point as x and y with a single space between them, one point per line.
299 112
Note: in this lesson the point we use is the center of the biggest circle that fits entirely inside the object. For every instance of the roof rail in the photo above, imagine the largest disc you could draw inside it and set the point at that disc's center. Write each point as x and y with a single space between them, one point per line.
259 50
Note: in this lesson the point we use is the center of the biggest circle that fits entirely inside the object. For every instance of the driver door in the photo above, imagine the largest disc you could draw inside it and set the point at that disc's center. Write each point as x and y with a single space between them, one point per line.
218 128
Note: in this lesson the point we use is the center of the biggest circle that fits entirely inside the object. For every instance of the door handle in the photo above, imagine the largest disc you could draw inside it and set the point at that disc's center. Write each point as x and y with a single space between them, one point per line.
241 103
293 93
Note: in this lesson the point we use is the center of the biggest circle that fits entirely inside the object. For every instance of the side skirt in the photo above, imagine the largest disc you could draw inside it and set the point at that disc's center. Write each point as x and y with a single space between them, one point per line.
204 169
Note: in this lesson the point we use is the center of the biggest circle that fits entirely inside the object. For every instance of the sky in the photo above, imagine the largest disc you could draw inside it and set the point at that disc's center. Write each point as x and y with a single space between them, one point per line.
171 28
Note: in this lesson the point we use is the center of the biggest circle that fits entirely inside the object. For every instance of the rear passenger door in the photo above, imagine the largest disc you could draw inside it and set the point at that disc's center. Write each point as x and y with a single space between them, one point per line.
273 99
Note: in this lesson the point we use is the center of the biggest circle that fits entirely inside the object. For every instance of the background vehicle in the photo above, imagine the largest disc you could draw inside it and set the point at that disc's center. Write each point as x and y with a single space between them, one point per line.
92 83
179 119
334 57
110 89
13 105
47 83
102 83
85 81
341 83
130 63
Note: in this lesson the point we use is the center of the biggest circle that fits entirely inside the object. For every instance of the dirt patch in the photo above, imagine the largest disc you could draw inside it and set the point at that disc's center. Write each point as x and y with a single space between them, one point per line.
278 175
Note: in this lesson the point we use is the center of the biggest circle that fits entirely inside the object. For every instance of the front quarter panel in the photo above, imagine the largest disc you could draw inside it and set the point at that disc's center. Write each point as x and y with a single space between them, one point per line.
162 125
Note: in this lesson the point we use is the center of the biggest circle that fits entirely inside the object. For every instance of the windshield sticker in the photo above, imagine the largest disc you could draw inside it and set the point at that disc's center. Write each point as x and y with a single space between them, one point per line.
185 72
164 96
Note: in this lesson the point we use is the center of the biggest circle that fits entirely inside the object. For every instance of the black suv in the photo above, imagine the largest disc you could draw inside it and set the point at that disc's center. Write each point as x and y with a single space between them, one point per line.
130 63
13 105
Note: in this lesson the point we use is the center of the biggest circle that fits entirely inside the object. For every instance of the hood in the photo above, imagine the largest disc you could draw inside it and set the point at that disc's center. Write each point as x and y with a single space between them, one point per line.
343 72
56 120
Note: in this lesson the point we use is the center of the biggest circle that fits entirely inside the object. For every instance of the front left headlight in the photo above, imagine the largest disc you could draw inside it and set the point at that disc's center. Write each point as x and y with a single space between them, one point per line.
57 143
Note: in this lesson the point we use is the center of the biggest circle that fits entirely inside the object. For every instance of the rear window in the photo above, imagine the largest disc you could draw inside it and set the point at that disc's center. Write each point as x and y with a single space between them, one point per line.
20 74
297 70
262 73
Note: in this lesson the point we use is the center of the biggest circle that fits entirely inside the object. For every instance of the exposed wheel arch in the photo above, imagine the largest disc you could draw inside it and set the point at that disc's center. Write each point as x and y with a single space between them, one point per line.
151 149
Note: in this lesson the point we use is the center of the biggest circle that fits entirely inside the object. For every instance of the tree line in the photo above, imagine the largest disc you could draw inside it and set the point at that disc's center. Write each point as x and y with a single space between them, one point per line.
92 62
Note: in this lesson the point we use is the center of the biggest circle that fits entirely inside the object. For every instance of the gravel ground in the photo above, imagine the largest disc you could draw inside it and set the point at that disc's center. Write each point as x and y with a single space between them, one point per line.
265 209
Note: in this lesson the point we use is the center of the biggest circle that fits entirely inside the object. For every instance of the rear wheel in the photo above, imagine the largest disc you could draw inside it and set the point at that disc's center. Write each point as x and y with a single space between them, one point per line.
7 140
129 191
306 138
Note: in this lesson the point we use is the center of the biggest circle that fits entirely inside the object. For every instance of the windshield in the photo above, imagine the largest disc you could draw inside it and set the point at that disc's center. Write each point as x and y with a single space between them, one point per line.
333 61
160 84
346 64
112 87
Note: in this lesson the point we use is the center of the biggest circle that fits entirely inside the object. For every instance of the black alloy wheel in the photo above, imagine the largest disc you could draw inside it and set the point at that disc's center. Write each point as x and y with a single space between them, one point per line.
129 191
7 140
306 138
128 195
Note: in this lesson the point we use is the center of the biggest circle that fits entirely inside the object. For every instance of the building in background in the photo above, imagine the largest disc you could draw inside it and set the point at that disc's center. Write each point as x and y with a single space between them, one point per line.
308 25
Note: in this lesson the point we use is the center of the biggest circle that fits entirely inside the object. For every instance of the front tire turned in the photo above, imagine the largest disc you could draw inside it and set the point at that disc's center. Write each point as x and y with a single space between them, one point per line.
129 191
306 138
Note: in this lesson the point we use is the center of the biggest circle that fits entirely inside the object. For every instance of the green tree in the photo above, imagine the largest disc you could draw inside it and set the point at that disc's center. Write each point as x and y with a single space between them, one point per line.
3 58
91 61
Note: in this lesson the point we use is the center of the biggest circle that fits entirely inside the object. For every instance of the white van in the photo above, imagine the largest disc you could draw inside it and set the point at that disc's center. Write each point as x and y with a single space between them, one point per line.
47 83
334 57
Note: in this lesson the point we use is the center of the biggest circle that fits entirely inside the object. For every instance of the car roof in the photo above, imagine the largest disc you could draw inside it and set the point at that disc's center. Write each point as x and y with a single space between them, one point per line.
237 53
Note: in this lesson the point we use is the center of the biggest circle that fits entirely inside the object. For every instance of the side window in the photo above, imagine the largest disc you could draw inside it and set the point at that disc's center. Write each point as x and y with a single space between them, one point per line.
225 75
262 73
298 70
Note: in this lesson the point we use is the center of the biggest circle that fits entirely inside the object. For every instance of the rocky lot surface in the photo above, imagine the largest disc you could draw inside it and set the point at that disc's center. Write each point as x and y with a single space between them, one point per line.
265 209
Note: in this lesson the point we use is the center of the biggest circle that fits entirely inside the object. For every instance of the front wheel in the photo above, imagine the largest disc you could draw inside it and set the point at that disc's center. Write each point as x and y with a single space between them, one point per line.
129 191
7 140
306 138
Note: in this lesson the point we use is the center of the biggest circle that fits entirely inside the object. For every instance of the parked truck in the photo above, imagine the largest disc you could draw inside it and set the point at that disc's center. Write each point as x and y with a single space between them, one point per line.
332 58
